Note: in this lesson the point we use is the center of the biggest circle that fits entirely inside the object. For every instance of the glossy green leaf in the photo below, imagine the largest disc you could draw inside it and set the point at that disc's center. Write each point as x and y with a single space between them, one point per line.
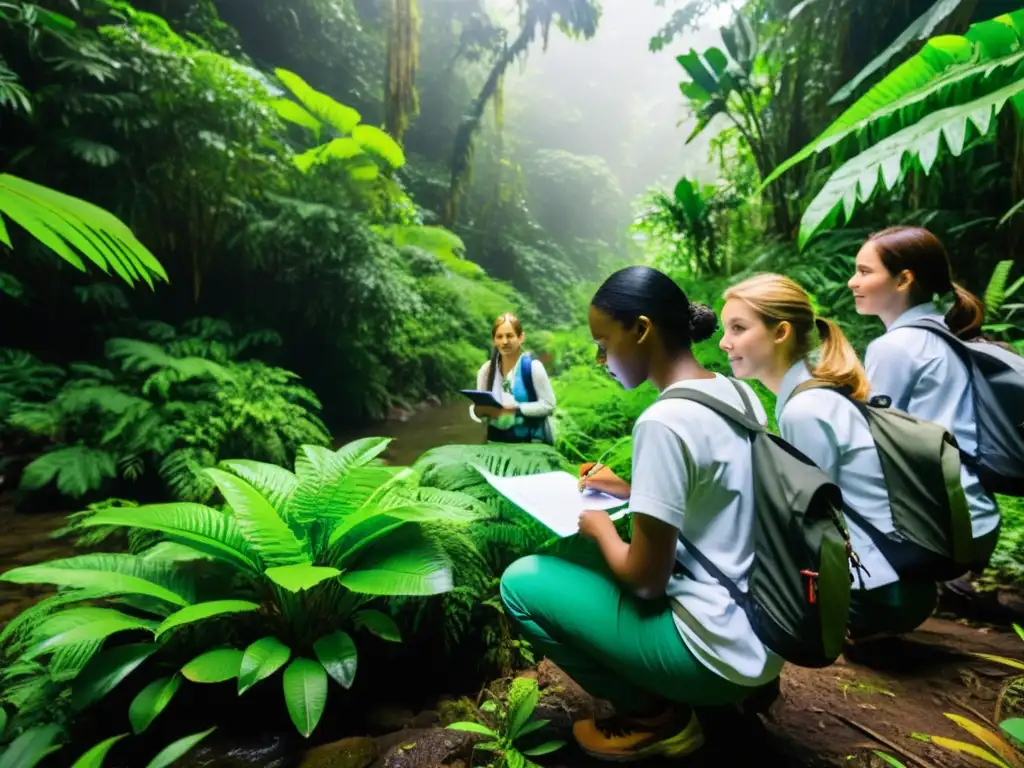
919 29
340 117
106 670
294 113
151 701
71 226
337 653
95 756
1014 728
296 578
261 659
305 694
31 747
214 666
400 565
275 483
380 624
176 750
379 143
113 573
201 526
856 180
544 749
473 728
258 521
203 611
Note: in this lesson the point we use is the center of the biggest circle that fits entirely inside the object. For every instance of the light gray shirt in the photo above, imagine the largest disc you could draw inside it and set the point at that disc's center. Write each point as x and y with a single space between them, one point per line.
924 377
831 432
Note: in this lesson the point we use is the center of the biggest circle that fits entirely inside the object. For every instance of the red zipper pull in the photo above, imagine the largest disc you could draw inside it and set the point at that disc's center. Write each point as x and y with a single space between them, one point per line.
812 586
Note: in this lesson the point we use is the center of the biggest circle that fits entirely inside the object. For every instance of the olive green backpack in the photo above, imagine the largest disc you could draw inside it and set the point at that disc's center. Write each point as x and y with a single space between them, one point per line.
921 467
798 590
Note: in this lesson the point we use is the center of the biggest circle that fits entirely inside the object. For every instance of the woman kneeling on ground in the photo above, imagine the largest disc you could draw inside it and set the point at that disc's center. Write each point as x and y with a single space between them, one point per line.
654 635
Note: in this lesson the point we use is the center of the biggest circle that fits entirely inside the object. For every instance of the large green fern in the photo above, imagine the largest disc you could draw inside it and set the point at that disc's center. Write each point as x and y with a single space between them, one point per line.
302 555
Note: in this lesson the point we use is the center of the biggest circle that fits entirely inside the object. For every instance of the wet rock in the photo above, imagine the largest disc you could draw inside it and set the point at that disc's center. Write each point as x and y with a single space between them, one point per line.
270 751
357 752
429 748
562 700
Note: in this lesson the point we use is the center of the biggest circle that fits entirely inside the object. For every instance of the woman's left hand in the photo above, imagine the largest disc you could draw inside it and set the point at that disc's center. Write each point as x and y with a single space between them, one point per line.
595 524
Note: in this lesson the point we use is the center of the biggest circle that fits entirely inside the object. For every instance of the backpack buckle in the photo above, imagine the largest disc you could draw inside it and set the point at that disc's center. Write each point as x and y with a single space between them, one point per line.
812 586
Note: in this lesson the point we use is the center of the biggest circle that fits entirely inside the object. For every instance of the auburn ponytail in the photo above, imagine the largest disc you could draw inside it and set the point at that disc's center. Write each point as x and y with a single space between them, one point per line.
918 251
967 314
777 299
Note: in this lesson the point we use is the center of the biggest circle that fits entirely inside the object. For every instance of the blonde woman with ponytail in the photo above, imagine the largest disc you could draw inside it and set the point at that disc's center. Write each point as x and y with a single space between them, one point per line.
772 335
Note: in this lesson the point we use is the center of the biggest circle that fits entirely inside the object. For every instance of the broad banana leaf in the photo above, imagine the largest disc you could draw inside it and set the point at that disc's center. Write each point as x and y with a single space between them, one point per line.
71 226
919 29
857 179
949 66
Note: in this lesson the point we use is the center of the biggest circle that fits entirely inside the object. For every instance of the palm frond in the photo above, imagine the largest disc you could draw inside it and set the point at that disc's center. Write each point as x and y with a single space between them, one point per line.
73 228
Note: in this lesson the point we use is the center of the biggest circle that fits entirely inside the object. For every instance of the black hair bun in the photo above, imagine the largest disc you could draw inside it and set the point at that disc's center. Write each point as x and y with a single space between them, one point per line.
703 322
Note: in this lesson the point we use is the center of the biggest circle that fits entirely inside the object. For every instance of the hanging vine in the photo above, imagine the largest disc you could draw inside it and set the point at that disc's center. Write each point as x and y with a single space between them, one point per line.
577 18
402 99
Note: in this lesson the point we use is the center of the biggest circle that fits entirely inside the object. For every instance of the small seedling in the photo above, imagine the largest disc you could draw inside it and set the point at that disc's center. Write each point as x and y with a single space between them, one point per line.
513 723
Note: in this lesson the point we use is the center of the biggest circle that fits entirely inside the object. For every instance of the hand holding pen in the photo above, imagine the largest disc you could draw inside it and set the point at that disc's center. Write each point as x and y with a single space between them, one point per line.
596 476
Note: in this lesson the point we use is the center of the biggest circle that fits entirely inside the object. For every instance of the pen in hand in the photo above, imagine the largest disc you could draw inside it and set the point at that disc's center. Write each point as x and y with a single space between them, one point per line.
596 468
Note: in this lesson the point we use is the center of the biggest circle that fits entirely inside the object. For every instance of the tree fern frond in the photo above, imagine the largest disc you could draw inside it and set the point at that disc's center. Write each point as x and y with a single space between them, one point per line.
276 483
450 467
995 292
76 469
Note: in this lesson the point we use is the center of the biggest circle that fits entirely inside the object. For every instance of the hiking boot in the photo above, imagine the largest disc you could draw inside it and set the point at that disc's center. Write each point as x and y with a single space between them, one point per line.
623 739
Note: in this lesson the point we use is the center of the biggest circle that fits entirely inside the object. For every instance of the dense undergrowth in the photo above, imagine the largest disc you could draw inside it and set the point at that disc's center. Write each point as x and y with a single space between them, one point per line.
325 270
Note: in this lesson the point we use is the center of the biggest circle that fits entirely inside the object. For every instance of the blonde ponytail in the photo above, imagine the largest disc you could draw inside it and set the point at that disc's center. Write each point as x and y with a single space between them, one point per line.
838 363
777 299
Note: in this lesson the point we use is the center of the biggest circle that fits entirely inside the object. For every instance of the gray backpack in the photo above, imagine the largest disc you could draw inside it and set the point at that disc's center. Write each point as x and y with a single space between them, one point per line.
921 470
798 591
998 382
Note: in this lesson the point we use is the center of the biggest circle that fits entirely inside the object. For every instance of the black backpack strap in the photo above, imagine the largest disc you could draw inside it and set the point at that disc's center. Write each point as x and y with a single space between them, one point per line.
745 420
716 573
526 371
959 345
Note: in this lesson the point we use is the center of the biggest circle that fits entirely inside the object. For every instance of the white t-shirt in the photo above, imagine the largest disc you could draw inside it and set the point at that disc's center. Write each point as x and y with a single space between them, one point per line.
831 432
693 470
924 377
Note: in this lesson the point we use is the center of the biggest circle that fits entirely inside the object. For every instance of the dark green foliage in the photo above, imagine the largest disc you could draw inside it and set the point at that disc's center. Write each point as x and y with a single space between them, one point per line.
172 406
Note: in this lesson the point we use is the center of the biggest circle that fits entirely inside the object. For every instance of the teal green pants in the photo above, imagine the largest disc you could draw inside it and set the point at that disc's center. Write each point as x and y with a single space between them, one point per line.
899 607
615 645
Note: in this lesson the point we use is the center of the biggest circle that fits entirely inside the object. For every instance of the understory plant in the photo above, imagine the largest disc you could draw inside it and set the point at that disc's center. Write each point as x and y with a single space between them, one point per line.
279 578
1004 749
170 404
35 744
508 726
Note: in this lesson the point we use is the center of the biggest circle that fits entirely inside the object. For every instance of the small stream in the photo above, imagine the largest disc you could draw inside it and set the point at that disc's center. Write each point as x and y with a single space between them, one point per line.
25 538
426 428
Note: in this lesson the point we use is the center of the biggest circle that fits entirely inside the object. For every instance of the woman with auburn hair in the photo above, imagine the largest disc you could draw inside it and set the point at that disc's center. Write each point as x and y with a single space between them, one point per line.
519 383
770 334
898 272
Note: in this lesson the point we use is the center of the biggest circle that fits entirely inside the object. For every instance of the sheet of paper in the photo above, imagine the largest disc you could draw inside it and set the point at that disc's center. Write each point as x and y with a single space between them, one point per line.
552 498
